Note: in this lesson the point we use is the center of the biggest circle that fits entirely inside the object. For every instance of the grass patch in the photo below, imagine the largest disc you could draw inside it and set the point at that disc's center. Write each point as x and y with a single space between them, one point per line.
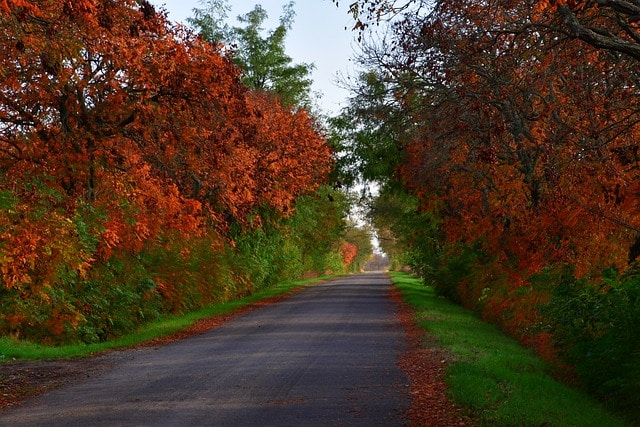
503 383
12 349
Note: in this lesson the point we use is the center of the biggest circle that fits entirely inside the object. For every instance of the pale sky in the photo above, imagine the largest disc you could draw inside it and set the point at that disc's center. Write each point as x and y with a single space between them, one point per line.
318 36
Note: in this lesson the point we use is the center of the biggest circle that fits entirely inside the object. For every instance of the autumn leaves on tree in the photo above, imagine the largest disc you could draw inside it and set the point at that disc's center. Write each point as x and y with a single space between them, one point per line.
120 132
516 125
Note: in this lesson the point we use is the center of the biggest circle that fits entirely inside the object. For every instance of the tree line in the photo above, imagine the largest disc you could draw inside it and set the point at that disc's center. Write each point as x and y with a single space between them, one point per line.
504 135
144 172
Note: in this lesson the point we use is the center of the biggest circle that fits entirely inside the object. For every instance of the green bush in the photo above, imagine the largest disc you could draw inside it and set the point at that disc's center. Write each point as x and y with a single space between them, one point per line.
456 273
116 297
597 328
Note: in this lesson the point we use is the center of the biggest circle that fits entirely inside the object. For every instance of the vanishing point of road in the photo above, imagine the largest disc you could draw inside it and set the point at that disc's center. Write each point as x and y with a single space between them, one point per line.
326 356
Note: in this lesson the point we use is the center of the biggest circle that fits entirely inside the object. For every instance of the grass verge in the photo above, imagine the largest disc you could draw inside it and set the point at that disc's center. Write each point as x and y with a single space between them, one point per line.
12 349
503 383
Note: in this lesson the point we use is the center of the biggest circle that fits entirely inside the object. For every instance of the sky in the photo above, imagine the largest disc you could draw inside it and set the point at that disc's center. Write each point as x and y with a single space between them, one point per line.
318 36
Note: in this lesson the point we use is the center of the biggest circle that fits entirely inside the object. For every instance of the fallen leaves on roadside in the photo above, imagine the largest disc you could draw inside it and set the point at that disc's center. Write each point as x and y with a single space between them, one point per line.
425 367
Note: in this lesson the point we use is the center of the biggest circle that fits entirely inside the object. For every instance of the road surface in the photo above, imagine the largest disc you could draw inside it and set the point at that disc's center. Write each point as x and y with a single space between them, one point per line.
324 357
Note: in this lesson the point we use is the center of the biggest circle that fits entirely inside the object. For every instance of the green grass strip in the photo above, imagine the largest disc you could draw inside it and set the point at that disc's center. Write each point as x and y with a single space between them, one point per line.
503 383
11 349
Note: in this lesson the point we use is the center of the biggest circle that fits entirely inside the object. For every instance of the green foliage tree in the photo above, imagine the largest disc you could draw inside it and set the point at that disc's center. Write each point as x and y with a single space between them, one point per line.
367 133
210 20
266 65
409 237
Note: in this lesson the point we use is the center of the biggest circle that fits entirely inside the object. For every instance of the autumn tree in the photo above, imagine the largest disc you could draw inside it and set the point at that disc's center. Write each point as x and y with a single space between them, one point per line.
121 134
521 144
605 24
487 107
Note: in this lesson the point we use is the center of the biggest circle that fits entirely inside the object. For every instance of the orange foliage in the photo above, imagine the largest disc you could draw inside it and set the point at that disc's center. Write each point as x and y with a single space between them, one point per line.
527 153
120 127
290 156
349 253
525 145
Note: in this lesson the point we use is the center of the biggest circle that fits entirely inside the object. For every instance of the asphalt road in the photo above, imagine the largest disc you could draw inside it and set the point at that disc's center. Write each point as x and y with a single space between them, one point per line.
324 357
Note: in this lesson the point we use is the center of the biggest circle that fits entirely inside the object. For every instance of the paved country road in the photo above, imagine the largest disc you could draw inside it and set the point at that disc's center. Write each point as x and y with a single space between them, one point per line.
324 357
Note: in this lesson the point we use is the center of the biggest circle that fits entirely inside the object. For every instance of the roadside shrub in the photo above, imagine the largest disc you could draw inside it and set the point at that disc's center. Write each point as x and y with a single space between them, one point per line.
453 277
117 296
597 329
67 276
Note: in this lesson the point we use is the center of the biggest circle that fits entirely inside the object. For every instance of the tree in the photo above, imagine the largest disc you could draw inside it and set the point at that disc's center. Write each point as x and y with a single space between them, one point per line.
119 134
265 64
489 138
522 150
211 20
605 24
368 133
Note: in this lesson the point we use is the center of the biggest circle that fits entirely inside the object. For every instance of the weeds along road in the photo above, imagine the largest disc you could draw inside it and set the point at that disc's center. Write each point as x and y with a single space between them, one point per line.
325 356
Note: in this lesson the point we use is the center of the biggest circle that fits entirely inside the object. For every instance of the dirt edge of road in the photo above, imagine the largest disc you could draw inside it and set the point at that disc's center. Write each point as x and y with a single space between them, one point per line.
425 366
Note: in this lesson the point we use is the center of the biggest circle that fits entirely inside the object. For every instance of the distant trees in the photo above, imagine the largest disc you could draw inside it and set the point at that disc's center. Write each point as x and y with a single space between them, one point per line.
378 262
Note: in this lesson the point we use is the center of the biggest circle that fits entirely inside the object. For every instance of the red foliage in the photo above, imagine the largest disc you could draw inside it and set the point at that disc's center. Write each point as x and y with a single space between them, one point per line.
524 143
525 151
118 127
349 253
